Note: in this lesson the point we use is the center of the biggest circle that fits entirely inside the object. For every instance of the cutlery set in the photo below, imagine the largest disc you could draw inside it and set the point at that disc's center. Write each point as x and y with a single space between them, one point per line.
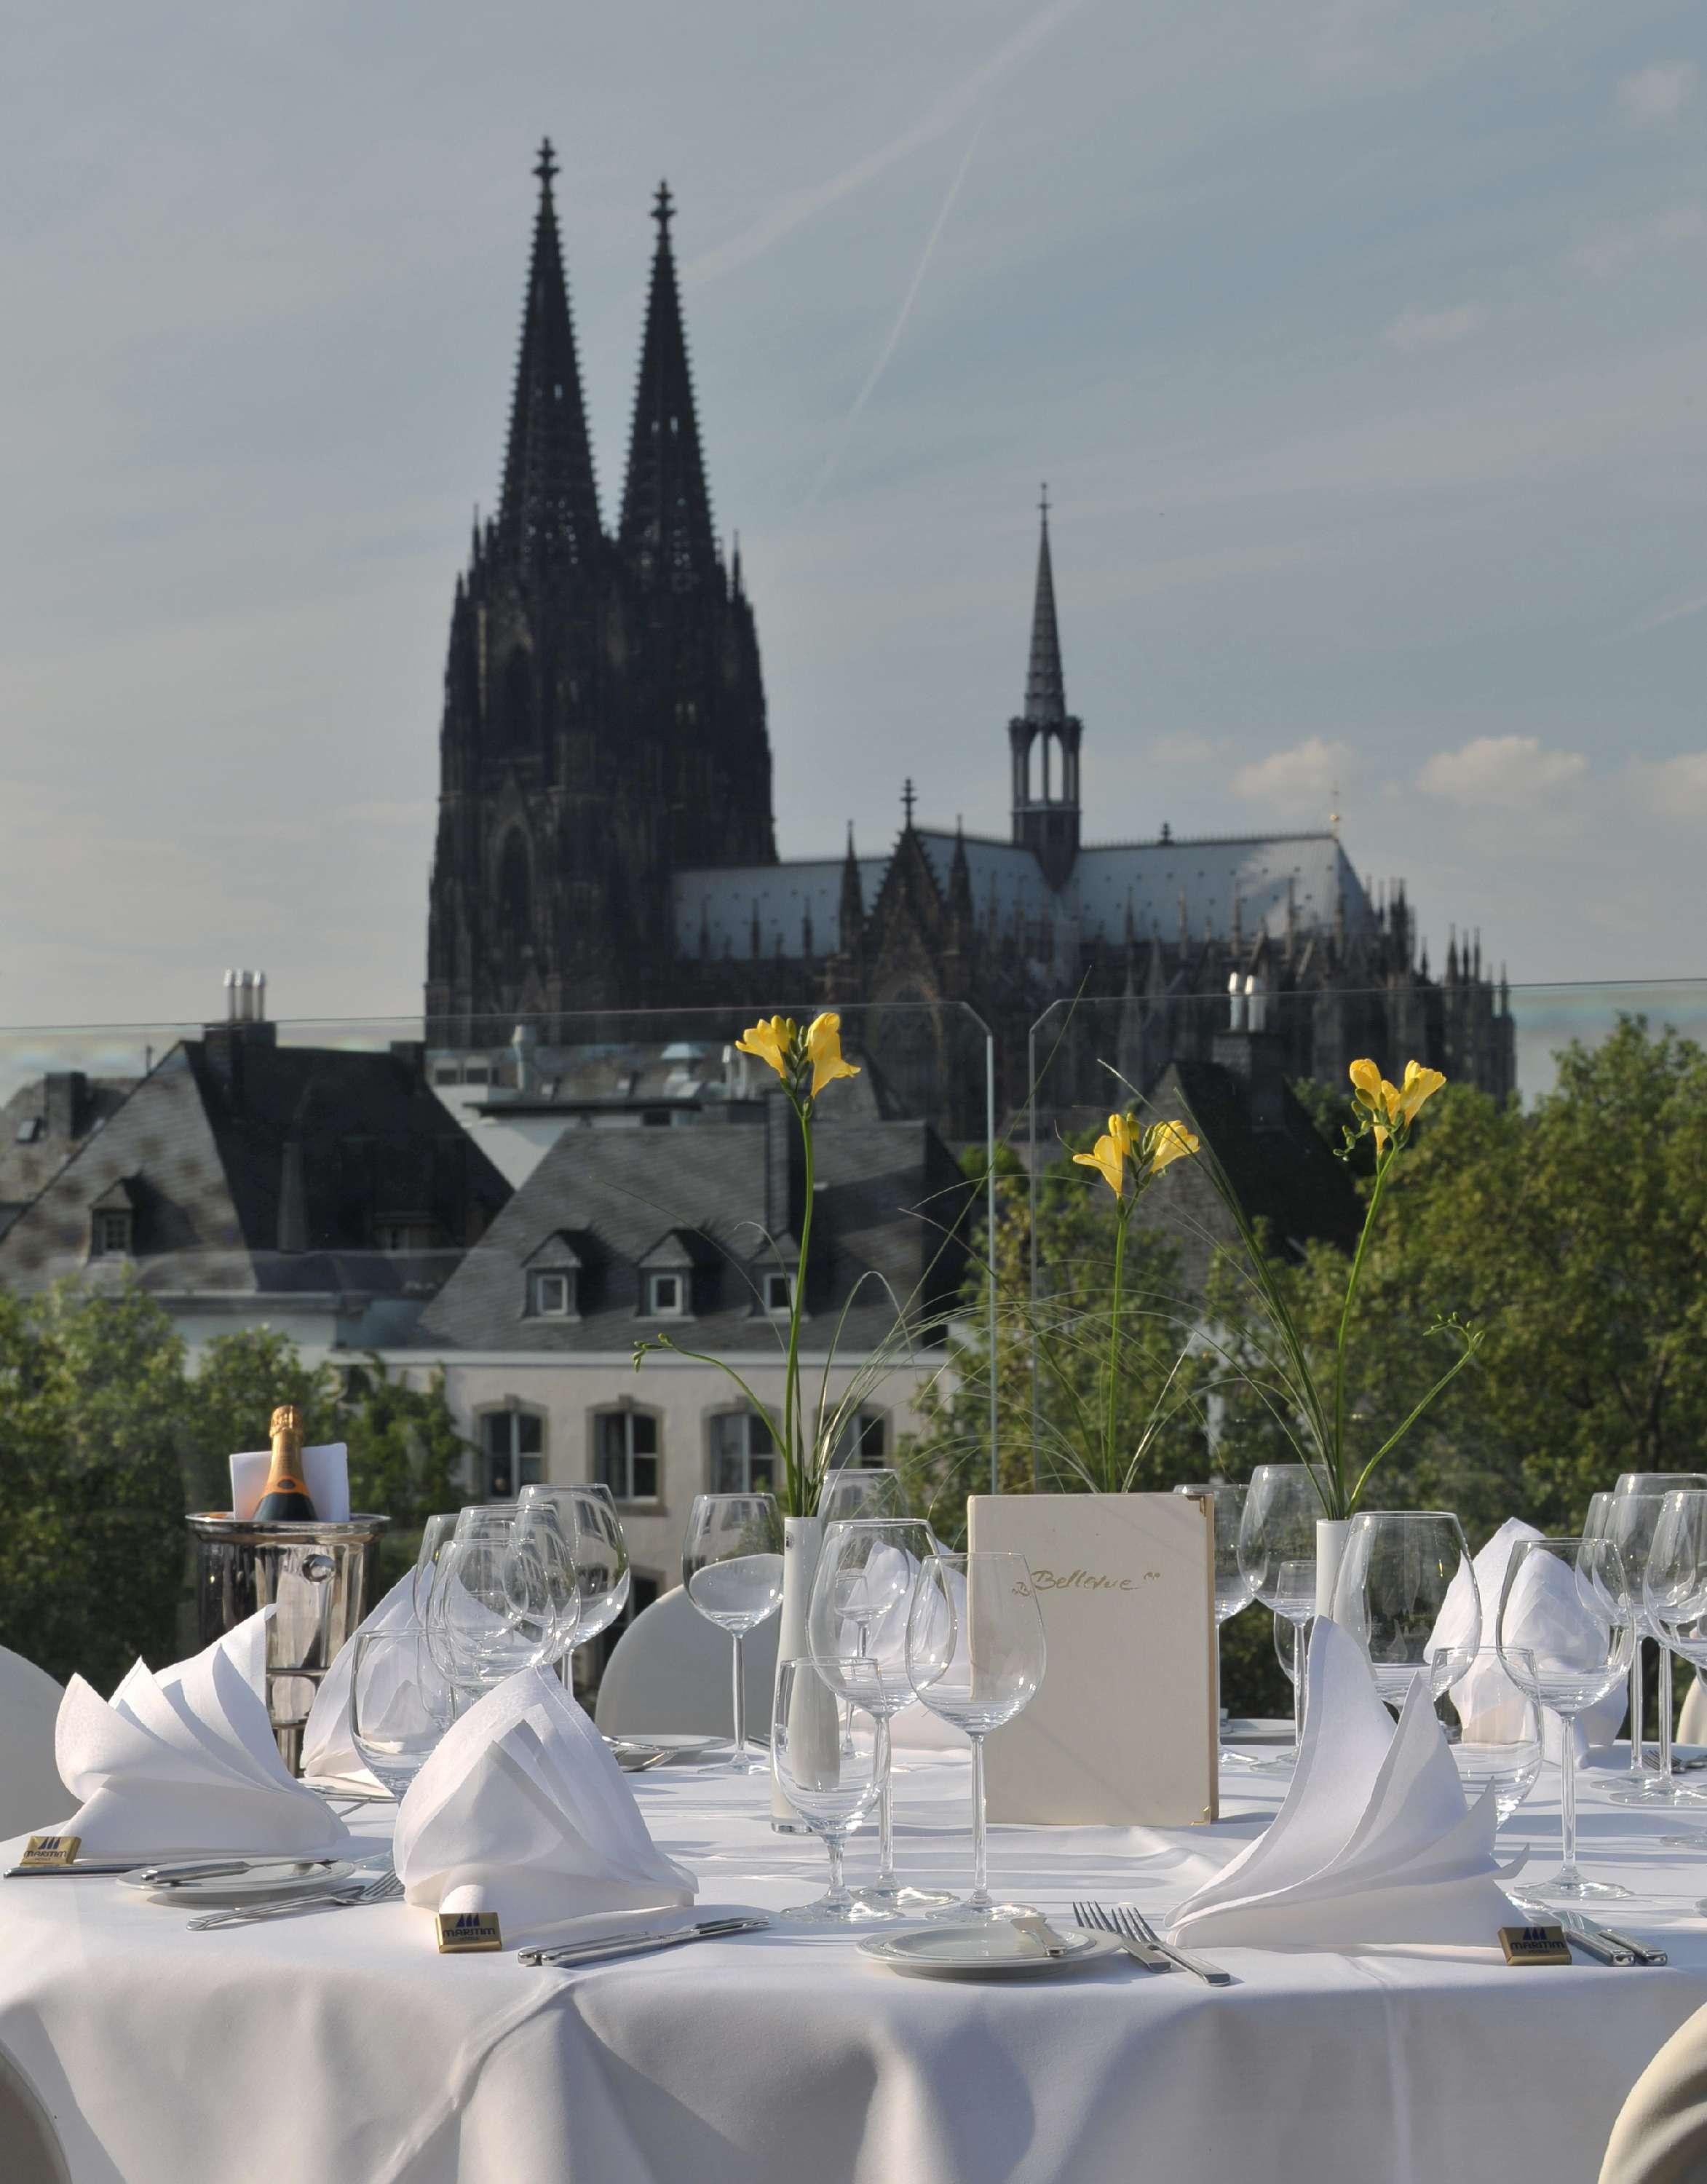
342 1897
1139 1940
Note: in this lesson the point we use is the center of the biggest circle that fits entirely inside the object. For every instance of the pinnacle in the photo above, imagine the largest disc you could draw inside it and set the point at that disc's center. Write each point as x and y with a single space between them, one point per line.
1046 692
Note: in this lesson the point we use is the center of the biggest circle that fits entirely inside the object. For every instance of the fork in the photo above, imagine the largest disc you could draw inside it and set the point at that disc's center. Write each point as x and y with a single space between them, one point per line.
1138 1928
1093 1915
347 1893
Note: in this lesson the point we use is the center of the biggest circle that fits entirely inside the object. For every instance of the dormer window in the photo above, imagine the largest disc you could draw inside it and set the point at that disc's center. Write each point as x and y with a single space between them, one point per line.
110 1233
551 1293
778 1290
666 1297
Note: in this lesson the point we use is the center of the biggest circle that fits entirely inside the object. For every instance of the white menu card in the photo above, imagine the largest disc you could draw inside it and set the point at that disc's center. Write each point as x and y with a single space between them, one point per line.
1123 1731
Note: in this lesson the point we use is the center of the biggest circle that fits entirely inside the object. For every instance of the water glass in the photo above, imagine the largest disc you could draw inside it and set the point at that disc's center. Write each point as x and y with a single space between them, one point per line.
828 1755
975 1656
732 1569
400 1703
1565 1631
861 1594
1492 1725
1396 1570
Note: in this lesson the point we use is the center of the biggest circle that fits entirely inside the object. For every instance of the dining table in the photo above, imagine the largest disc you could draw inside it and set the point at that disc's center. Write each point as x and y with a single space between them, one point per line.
338 2047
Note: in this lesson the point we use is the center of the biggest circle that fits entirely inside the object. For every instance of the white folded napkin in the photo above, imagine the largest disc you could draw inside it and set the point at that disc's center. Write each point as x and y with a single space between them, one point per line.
1374 1842
326 1474
1486 1691
327 1745
186 1760
522 1810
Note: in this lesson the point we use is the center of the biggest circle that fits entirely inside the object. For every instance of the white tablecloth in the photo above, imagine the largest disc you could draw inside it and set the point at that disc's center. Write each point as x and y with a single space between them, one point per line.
341 2049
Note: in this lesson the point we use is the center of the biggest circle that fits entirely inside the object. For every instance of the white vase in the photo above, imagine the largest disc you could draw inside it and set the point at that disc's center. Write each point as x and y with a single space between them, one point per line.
802 1539
1330 1534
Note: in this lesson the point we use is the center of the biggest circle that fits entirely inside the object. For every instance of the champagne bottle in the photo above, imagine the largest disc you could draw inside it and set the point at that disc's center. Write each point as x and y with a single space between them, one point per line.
285 1499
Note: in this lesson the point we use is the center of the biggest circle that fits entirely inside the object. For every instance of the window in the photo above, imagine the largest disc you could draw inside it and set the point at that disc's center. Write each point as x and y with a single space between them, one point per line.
29 1129
743 1457
864 1440
666 1297
779 1294
624 1454
551 1296
514 1446
110 1233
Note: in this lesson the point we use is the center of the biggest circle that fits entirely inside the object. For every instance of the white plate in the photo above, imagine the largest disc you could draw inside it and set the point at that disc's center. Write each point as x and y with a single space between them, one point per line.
995 1951
678 1746
279 1878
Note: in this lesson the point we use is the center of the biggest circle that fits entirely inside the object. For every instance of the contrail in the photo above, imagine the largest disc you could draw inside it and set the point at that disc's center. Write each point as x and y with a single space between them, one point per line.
938 120
895 331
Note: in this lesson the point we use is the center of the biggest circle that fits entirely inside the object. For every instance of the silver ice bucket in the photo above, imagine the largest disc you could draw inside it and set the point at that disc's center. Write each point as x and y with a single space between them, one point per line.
318 1577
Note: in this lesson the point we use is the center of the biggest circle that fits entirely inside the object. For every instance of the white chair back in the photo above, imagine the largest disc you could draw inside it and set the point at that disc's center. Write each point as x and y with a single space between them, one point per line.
32 2154
1692 1723
672 1670
31 1795
1660 2137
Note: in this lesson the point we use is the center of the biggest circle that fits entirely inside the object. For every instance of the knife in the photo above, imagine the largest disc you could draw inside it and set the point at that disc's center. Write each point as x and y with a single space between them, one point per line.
1036 1928
574 1953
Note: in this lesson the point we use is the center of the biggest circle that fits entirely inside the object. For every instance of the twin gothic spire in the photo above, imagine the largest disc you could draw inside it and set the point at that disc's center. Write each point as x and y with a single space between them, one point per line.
548 513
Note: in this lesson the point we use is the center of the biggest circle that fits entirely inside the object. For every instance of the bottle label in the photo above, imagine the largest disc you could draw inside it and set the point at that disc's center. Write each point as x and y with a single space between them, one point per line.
51 1850
461 1933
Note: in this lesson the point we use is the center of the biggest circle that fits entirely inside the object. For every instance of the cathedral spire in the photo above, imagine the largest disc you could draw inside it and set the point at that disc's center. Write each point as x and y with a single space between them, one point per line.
548 511
666 510
1046 687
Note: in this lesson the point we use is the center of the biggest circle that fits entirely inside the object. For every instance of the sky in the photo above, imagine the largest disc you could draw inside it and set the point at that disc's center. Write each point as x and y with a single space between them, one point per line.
1363 344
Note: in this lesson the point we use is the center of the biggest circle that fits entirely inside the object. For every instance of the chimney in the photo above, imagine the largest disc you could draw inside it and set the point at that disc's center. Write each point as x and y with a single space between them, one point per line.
64 1097
784 1175
245 1028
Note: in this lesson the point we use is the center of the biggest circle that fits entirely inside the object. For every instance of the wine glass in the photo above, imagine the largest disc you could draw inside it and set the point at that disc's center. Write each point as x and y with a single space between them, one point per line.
1234 1591
588 1517
1565 1631
505 1597
1631 1517
1397 1567
976 1655
1492 1724
1278 1523
1675 1591
829 1754
436 1534
861 1594
852 1491
731 1566
400 1703
1293 1587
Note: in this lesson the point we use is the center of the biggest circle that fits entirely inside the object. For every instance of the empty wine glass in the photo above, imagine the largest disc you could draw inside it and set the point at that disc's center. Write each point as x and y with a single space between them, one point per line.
400 1703
1293 1587
505 1597
731 1566
1675 1592
861 1490
1492 1725
1234 1590
1398 1567
1565 1632
436 1534
1629 1523
589 1519
976 1655
1594 1528
861 1594
828 1754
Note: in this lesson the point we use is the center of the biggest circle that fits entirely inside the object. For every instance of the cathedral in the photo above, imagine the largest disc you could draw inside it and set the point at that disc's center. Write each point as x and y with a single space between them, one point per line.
606 840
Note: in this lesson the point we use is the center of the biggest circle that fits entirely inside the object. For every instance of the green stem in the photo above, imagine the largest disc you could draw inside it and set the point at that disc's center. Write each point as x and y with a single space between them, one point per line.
1121 1219
1337 1452
794 1458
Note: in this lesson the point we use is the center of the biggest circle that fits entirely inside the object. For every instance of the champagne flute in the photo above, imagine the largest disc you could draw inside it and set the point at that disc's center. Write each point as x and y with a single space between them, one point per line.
976 1655
400 1704
1294 1603
1565 1633
1234 1591
861 1593
1630 1520
732 1568
1398 1568
829 1755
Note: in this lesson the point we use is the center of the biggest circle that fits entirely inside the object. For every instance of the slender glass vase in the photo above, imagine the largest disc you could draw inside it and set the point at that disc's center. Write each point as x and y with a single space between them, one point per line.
1331 1536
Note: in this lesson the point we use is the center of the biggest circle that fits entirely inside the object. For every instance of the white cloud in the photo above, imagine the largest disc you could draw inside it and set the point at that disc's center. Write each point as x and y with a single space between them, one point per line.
1414 329
1654 96
1610 249
1296 782
1500 770
1674 788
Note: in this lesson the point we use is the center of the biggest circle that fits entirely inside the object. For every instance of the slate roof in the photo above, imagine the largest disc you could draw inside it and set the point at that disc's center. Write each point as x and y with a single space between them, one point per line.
34 1148
887 1193
256 1168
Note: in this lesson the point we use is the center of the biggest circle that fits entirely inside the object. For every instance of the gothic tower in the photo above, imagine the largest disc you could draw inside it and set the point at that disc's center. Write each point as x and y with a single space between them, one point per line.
1044 739
604 709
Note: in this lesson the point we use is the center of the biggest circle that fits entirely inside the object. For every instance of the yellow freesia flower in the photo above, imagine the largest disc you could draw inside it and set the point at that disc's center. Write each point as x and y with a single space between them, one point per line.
1420 1084
1166 1143
770 1041
824 1050
1110 1154
1365 1084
